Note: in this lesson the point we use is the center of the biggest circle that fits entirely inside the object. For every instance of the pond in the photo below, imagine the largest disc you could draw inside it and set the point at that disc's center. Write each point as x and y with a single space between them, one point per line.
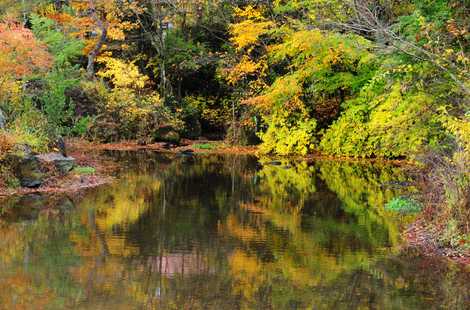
222 232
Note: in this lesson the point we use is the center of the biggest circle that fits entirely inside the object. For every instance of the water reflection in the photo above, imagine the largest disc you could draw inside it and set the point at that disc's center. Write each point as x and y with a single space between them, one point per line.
221 232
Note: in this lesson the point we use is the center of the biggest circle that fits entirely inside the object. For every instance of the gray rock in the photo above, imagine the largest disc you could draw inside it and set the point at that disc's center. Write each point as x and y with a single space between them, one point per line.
3 120
63 164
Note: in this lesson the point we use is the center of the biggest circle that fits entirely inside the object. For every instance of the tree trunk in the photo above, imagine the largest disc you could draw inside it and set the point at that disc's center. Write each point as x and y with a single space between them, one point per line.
103 26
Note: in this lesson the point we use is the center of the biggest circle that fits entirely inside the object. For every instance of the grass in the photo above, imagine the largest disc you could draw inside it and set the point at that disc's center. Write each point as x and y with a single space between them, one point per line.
403 205
205 146
84 170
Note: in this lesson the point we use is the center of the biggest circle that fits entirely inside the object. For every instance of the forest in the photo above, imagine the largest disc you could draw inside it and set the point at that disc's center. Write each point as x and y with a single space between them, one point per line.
357 79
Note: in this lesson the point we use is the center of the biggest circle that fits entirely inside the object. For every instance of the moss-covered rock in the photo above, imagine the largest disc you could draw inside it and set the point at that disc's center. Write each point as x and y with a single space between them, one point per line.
167 134
28 171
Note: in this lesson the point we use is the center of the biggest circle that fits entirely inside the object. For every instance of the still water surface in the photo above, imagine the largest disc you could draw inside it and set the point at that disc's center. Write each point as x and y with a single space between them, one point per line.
221 232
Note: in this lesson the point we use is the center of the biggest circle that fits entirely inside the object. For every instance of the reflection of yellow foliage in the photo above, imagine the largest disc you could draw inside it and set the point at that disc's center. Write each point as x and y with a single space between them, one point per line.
364 191
123 212
286 220
247 275
288 184
128 202
16 292
11 243
234 228
121 247
241 263
120 205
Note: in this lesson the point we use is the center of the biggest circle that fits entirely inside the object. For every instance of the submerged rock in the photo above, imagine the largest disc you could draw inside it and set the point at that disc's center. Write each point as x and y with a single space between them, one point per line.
63 164
3 120
186 153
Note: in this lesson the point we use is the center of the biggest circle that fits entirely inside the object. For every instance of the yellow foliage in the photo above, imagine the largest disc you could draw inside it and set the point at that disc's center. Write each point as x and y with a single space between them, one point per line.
244 68
121 73
460 128
252 25
249 12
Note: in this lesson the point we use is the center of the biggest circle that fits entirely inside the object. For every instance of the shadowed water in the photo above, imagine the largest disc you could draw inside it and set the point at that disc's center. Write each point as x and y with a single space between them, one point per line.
222 232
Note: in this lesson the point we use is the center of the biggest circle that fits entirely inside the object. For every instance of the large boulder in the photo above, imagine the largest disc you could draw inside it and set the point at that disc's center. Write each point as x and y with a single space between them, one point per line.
167 134
63 164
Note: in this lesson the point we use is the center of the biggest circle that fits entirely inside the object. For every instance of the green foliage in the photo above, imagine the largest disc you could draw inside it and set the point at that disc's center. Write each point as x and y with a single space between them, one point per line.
367 100
391 124
80 128
284 137
55 104
313 78
403 205
65 49
29 126
321 67
212 114
184 56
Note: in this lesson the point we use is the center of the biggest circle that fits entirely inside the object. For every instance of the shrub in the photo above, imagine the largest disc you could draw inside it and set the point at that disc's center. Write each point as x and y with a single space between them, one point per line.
448 194
392 124
124 113
283 137
6 143
30 126
81 127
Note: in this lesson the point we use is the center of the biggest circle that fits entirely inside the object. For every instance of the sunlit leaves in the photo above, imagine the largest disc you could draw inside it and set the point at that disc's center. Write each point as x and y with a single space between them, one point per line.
20 53
251 27
122 74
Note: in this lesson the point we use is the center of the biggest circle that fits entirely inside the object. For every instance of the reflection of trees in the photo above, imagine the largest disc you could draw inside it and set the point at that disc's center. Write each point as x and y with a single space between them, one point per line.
221 232
364 189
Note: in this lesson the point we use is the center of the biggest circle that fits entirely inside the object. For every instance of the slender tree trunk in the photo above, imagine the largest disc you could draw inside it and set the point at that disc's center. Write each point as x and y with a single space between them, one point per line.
103 27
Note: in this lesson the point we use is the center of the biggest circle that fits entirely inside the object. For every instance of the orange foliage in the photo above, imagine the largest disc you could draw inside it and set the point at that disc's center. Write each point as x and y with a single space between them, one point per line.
20 53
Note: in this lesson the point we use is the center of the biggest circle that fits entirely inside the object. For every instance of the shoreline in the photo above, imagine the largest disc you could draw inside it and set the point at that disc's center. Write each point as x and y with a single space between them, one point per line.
417 235
221 148
424 238
72 182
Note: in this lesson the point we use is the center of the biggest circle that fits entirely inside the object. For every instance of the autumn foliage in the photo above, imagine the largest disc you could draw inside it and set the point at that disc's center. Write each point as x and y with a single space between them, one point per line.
20 53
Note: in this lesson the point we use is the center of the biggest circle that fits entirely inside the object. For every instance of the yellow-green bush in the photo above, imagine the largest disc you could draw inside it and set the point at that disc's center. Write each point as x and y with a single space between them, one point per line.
393 124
